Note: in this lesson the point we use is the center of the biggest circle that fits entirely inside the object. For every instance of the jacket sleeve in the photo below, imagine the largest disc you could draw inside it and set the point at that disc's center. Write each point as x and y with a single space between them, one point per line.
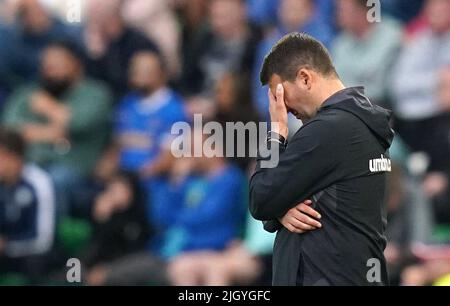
305 167
15 110
272 226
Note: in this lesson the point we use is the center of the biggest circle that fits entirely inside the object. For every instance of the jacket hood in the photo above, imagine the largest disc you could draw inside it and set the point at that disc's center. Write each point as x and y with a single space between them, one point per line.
376 118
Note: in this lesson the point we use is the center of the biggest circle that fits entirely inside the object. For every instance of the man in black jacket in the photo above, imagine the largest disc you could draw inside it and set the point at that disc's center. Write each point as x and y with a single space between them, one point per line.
339 160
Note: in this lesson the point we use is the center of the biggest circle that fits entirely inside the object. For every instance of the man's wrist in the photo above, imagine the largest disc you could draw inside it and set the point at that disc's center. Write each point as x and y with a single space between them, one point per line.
283 131
275 136
60 115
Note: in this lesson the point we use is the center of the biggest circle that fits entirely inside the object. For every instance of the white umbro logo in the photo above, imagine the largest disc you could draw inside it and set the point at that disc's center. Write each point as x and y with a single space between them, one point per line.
382 164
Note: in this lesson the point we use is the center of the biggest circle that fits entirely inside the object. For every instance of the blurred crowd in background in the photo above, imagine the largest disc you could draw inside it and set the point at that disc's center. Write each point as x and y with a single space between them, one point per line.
86 113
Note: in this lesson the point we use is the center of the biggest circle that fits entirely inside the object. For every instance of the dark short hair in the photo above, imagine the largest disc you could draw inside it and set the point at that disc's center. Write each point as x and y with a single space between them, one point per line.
68 46
293 52
12 141
151 52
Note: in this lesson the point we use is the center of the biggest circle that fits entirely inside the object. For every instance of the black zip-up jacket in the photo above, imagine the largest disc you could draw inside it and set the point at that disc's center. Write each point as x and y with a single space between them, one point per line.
339 160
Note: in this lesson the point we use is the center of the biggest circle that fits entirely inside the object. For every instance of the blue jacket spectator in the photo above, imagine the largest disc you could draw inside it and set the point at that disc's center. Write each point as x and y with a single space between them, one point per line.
143 132
34 29
211 212
143 125
264 12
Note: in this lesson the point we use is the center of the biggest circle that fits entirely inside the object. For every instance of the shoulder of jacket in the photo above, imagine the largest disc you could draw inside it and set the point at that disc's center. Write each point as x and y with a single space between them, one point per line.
332 122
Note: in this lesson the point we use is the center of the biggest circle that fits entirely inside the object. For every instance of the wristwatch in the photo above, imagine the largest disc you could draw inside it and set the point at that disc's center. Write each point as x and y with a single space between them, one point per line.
274 136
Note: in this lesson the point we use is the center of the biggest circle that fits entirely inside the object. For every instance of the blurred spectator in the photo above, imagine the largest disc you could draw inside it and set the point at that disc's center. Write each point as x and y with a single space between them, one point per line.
34 29
410 221
111 43
235 265
64 118
233 99
436 183
157 21
120 224
143 124
326 11
293 15
8 10
234 104
415 26
433 263
423 121
213 191
405 10
207 218
228 45
364 52
192 15
27 211
444 89
243 262
417 73
262 12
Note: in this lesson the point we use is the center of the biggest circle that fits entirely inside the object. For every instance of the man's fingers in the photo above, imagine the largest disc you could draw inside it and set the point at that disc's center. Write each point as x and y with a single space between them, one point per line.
307 202
306 219
302 218
301 225
280 94
271 96
293 229
309 210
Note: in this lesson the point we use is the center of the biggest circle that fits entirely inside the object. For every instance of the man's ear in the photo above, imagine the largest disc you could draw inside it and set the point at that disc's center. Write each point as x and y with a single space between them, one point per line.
304 78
